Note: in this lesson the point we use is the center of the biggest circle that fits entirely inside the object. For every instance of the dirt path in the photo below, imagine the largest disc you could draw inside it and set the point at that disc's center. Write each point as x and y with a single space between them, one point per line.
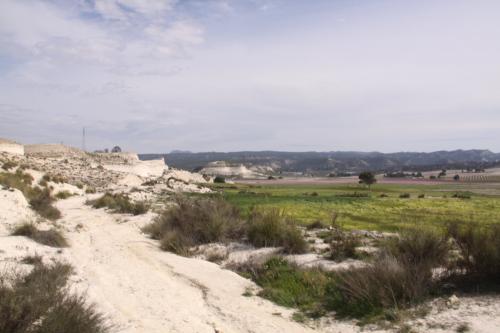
143 289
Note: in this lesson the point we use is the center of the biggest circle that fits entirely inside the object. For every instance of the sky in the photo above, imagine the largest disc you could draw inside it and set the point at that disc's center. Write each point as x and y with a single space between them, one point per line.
229 75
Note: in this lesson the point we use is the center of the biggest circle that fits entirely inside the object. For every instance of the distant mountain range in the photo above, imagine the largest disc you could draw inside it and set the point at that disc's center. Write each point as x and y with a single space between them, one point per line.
336 162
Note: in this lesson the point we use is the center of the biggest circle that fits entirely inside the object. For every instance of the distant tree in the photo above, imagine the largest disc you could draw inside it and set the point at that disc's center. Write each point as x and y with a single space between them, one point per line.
456 178
442 173
367 178
116 149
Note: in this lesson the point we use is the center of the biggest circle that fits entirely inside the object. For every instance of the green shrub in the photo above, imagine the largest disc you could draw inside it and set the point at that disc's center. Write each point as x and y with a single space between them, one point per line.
353 195
404 196
288 285
271 228
40 302
219 179
50 237
119 203
194 221
461 195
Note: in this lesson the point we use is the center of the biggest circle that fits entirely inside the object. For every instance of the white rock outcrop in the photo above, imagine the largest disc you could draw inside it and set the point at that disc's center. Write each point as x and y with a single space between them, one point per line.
11 147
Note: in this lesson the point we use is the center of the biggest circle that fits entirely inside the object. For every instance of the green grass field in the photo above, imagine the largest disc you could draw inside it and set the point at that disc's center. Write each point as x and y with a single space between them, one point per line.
356 207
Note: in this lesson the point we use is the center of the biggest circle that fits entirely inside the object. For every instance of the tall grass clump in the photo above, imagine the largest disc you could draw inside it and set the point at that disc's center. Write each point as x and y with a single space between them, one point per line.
479 252
51 237
40 302
401 276
271 228
119 203
195 221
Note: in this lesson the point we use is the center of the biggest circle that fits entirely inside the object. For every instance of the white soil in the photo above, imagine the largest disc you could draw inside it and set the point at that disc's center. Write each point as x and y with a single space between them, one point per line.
143 289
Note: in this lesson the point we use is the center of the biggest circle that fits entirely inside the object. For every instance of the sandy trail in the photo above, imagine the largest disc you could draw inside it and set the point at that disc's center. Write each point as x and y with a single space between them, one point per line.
143 289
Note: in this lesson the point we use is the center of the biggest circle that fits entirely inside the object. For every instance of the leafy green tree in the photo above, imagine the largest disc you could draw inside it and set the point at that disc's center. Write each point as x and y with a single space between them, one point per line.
367 178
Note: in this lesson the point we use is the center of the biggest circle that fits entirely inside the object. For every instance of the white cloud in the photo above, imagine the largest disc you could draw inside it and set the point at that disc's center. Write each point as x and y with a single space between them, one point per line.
254 74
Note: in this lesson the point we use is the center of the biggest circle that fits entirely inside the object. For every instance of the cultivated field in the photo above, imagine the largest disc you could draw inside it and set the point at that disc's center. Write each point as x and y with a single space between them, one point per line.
386 207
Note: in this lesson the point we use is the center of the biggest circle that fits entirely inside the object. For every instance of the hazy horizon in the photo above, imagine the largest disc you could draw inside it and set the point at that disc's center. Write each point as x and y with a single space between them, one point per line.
252 75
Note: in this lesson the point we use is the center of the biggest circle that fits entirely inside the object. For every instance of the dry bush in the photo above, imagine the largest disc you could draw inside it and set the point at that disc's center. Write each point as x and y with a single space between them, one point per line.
385 284
318 224
50 237
119 203
19 180
343 245
271 228
39 199
196 221
9 165
90 190
421 246
64 195
40 302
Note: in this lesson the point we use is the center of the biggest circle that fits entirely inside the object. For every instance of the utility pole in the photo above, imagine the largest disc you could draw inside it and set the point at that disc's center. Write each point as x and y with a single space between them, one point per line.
83 140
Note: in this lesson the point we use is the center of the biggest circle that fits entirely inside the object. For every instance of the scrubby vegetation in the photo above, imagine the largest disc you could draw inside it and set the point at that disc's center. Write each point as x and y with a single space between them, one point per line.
286 284
197 221
90 190
202 220
478 245
271 228
9 165
40 302
119 203
51 237
343 245
402 275
63 195
40 199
